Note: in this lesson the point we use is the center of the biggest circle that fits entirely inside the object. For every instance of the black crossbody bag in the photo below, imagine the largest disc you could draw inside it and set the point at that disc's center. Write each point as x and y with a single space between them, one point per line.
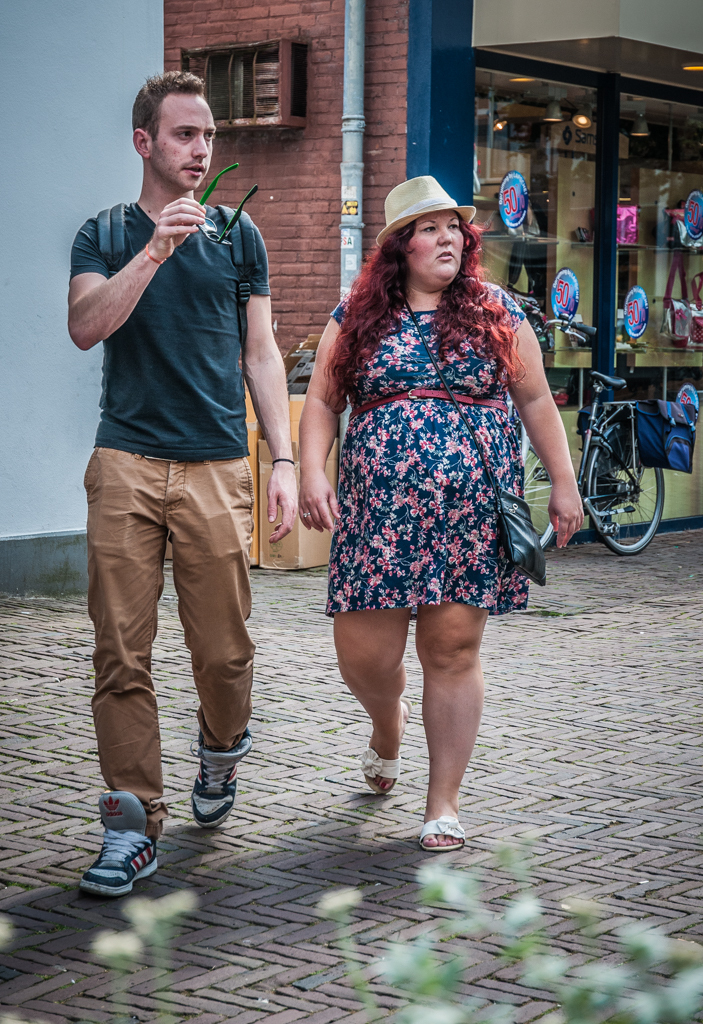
516 533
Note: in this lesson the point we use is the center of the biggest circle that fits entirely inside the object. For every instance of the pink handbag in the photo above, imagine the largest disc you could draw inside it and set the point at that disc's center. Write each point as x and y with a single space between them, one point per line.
676 323
696 337
626 231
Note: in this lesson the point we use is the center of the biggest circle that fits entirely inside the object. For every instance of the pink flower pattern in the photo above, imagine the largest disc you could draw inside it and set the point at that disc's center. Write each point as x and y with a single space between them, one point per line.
418 520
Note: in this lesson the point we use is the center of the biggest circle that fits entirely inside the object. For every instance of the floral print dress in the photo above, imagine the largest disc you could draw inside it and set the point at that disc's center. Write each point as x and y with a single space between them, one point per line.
417 519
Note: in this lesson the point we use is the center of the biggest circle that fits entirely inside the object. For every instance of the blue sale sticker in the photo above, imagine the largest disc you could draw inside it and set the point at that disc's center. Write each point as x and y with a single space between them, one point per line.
565 293
636 312
693 214
688 397
513 199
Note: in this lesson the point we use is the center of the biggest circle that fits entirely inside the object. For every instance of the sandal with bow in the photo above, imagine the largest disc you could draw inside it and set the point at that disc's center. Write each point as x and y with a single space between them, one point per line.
372 765
444 826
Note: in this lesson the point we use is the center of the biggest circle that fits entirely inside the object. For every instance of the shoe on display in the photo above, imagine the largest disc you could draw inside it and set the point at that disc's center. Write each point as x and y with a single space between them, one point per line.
215 788
127 853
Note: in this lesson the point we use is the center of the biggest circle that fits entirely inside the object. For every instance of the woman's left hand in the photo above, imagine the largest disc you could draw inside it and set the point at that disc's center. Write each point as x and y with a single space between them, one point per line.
565 510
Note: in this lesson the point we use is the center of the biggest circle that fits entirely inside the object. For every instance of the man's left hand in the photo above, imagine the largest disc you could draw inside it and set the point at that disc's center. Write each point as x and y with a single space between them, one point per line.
282 492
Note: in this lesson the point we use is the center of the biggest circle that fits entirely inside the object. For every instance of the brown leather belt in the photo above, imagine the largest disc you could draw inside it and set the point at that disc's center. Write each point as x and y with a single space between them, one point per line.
490 403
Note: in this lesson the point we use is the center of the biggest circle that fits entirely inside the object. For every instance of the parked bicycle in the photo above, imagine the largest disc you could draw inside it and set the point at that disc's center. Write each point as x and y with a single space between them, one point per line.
623 499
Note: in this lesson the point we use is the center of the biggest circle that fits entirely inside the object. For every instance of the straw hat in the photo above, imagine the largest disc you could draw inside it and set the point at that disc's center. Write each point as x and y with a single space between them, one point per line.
415 198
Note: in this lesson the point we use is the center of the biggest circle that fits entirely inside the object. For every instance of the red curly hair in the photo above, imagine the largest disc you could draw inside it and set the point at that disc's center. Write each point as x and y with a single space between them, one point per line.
467 309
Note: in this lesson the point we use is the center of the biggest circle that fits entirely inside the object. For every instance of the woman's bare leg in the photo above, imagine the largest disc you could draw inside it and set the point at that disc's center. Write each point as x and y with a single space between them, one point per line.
448 640
370 647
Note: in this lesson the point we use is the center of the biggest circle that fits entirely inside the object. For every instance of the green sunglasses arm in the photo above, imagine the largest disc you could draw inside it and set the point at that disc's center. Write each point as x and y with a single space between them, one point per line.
238 212
211 187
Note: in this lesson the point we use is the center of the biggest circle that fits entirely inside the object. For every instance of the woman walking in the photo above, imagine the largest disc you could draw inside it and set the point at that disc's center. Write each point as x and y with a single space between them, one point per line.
416 525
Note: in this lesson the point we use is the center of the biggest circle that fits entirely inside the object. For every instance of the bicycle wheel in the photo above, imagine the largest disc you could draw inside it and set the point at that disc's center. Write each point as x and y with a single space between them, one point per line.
538 488
629 501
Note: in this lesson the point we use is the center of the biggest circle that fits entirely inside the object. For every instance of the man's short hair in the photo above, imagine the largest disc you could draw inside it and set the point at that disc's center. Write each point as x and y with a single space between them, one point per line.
147 106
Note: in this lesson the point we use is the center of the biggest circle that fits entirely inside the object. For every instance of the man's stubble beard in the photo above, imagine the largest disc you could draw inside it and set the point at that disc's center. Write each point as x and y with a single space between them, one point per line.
167 173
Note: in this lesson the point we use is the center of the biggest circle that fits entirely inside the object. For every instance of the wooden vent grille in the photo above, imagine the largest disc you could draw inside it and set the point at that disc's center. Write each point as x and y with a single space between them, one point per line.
253 86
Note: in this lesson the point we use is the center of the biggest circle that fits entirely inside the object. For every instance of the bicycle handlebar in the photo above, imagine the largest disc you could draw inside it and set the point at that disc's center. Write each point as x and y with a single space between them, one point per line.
569 327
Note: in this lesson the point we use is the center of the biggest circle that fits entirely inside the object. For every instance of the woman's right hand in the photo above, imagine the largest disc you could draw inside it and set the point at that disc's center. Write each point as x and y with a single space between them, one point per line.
317 502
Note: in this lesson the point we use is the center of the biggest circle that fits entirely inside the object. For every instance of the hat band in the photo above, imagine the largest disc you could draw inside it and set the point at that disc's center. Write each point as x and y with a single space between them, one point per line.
423 205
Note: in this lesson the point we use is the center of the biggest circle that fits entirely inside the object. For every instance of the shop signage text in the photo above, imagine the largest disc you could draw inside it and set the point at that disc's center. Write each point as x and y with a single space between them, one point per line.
568 136
693 214
636 312
513 199
565 293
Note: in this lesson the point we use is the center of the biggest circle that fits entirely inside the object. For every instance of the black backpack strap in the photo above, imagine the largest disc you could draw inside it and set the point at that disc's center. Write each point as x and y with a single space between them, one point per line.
111 235
243 239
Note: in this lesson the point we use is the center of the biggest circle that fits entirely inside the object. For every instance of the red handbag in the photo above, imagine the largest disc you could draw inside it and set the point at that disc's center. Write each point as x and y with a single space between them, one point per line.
696 337
676 323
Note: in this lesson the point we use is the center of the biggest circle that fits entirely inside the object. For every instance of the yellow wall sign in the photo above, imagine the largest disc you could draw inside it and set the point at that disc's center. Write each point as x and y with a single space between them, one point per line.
350 208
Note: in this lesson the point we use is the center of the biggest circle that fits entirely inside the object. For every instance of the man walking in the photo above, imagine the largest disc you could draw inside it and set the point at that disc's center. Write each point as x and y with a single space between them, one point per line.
170 459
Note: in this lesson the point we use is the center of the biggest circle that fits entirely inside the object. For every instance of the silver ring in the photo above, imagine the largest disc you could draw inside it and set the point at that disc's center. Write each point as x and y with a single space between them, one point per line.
305 515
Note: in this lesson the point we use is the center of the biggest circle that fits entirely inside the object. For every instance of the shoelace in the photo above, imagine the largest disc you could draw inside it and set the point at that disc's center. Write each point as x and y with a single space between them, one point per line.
215 773
118 845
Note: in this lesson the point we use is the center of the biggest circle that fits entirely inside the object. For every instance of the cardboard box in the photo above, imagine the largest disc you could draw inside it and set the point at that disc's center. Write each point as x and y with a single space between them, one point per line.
301 549
299 364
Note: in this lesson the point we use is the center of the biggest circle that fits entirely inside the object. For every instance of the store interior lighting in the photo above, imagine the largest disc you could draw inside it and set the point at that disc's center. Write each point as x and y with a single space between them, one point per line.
639 126
553 111
583 117
499 125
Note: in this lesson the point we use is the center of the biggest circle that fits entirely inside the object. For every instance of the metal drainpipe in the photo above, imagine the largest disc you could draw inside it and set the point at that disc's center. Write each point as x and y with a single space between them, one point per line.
353 125
352 166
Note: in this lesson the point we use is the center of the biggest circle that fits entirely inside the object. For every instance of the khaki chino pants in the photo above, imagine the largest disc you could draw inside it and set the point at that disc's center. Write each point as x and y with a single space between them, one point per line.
133 504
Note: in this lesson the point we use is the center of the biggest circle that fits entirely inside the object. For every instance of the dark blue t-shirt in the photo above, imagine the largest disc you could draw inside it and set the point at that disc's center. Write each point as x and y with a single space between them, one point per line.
172 384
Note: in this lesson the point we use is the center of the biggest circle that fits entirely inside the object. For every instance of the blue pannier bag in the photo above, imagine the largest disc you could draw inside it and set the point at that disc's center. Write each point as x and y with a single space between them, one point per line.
666 436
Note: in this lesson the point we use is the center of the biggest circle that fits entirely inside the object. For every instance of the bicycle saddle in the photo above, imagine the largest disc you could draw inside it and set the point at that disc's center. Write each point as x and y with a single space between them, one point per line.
616 383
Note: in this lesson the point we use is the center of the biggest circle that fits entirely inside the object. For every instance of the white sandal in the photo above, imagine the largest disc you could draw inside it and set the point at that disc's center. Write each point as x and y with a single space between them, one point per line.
372 765
444 826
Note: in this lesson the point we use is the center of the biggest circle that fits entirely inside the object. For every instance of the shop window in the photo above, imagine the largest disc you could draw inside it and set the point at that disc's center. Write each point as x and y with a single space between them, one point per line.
260 85
534 189
659 334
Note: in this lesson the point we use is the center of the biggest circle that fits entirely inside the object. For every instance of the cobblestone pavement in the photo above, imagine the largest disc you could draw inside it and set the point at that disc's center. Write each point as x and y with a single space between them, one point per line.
589 747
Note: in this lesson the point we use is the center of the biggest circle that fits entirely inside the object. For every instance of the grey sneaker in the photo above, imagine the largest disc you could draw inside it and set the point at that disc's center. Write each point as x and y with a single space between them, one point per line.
127 853
215 788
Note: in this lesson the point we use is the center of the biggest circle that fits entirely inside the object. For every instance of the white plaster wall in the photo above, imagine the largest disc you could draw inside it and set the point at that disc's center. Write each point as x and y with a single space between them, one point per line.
675 23
71 71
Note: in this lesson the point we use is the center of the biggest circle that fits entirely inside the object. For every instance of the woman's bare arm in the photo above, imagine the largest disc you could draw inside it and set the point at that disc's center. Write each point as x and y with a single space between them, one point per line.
318 428
544 426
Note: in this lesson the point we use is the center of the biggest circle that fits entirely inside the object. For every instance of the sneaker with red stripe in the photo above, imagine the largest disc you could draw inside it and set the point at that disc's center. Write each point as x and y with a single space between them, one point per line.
127 853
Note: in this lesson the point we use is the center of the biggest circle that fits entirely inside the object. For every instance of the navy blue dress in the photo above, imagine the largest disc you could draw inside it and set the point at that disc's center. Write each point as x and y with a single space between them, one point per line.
418 521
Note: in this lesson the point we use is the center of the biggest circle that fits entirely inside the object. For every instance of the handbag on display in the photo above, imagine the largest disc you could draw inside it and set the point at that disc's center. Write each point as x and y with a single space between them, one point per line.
696 336
516 533
676 322
626 231
678 237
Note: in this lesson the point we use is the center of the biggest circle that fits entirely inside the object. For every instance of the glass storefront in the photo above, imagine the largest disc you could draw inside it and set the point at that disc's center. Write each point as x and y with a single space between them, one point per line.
545 133
534 190
660 259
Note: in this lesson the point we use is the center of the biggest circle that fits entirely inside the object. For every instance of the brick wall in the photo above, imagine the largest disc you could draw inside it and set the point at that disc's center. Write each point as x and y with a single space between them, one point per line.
297 207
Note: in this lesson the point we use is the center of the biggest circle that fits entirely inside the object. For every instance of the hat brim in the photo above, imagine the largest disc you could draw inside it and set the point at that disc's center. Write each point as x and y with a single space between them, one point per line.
467 213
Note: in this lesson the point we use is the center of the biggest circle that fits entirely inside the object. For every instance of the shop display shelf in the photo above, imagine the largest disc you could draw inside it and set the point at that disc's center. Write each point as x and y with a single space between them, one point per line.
664 357
568 359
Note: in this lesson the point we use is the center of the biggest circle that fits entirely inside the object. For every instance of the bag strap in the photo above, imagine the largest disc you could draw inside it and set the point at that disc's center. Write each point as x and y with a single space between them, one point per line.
676 267
111 235
458 408
696 284
243 239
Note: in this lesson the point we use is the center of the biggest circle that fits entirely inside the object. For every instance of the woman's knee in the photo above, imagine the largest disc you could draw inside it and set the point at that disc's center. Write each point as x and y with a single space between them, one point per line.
448 641
370 645
448 656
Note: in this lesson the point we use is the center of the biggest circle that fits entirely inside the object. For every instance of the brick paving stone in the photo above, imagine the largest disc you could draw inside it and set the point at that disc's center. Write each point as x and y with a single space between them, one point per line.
591 746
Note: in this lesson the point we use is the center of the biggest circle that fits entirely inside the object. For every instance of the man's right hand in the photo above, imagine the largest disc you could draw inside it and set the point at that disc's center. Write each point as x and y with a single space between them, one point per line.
176 222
